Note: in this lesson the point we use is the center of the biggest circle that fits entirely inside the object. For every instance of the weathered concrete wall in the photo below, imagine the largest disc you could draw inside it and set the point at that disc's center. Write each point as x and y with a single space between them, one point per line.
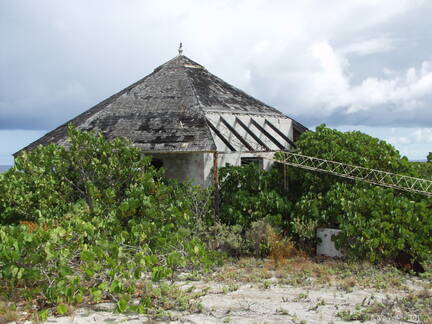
197 167
183 166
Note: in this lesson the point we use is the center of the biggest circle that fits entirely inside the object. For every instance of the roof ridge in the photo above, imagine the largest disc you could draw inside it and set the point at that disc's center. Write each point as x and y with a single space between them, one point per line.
194 91
169 64
166 110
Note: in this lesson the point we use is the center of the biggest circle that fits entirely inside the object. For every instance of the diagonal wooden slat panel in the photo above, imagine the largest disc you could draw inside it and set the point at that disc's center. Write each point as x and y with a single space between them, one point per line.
256 138
223 139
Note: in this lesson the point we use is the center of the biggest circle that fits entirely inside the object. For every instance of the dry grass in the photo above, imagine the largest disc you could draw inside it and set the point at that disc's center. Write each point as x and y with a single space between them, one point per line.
281 249
289 267
285 266
415 306
425 293
8 312
348 284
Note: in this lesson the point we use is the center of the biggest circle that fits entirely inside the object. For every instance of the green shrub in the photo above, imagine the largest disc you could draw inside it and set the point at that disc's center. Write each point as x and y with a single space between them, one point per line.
423 169
88 222
225 238
81 257
50 178
258 238
249 194
353 148
378 224
237 241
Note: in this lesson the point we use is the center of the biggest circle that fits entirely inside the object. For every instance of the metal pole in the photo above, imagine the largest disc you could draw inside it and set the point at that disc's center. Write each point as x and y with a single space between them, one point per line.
216 185
286 183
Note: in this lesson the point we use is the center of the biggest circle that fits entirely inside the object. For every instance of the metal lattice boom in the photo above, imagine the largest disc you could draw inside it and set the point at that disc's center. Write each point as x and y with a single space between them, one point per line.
377 177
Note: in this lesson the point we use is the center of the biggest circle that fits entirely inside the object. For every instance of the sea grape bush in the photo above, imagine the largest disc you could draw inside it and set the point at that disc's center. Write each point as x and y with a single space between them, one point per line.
82 258
50 178
31 188
249 194
377 223
94 221
353 148
88 222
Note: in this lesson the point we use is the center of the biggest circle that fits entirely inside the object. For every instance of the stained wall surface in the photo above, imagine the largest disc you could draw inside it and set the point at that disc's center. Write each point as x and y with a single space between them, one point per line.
183 166
197 167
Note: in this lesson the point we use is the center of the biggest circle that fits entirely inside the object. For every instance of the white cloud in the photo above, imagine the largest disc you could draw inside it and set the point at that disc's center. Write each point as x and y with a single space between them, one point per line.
423 135
406 91
303 57
369 46
329 86
281 51
411 142
394 140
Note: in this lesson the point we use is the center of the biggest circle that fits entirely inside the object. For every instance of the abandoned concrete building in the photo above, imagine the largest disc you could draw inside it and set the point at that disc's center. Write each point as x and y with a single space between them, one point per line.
189 121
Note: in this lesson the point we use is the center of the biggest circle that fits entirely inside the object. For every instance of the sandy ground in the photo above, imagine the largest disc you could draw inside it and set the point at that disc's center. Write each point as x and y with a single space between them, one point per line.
250 303
299 290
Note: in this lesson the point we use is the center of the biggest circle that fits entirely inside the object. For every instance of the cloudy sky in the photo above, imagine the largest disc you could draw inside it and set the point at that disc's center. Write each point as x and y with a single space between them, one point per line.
352 64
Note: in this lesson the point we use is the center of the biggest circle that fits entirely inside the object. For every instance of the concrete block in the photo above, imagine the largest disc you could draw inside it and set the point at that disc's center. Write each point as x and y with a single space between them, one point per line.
327 247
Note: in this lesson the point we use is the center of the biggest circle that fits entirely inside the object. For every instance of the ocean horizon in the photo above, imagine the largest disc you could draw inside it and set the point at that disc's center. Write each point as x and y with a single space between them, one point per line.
4 168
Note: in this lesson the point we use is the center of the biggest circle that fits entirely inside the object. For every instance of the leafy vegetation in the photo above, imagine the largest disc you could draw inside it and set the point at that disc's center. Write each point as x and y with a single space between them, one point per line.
378 224
353 148
94 221
90 223
249 194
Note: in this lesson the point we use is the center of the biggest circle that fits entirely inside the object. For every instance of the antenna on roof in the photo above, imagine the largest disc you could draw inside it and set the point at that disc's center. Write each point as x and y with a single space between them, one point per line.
180 49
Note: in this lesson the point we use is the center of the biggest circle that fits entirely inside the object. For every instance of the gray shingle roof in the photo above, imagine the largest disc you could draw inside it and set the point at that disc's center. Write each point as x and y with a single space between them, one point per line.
166 110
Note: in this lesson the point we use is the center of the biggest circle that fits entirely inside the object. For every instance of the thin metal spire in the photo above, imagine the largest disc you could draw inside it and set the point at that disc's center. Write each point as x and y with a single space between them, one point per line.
180 49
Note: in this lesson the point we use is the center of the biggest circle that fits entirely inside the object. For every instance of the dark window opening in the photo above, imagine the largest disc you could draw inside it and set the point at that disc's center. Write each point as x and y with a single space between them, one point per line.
255 160
156 163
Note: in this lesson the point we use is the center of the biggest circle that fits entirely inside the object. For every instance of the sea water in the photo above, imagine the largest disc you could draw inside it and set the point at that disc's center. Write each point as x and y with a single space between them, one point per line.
4 168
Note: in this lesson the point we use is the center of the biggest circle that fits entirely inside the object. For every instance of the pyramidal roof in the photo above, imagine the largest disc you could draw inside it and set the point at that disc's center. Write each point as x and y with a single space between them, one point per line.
166 110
